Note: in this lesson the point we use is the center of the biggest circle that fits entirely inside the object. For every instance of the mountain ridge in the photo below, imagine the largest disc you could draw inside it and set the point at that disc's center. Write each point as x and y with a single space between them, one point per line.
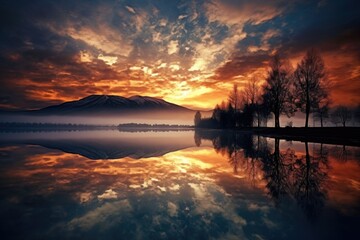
111 104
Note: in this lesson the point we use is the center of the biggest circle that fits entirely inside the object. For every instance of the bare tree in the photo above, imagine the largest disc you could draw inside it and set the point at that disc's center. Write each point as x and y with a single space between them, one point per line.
310 87
277 89
235 98
322 111
251 99
251 93
341 115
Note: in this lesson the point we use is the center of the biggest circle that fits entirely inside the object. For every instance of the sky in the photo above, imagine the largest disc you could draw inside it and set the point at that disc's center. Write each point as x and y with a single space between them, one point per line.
186 52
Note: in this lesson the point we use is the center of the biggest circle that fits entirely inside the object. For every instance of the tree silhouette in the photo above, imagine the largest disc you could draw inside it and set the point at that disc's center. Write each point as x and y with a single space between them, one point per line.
322 111
251 98
357 115
277 89
235 98
197 118
309 82
251 93
341 115
263 111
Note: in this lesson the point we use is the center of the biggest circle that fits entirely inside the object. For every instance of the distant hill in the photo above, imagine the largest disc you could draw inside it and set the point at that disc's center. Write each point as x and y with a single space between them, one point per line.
111 104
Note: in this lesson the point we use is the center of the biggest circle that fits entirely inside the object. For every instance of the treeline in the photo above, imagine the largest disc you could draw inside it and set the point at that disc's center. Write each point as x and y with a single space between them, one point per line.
283 92
144 125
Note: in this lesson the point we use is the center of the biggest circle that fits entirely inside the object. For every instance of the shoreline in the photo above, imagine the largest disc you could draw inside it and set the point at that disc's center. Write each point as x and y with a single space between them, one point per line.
327 135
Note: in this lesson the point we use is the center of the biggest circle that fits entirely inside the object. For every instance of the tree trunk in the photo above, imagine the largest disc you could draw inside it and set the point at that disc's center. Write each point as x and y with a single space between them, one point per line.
307 114
344 123
307 104
307 118
277 120
321 121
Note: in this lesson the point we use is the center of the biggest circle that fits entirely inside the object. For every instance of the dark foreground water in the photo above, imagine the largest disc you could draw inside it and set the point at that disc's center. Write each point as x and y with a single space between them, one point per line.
175 185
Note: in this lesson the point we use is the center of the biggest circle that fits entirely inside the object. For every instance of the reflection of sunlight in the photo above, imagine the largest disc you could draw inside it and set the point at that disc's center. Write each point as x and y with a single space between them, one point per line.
345 190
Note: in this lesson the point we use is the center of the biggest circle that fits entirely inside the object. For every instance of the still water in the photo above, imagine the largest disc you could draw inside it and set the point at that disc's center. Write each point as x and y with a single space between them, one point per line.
175 185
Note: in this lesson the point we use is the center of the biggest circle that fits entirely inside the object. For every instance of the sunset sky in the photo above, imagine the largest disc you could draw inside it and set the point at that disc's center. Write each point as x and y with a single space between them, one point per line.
186 52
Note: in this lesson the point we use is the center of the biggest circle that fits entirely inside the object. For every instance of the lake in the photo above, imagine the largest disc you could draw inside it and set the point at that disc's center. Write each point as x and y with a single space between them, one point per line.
175 185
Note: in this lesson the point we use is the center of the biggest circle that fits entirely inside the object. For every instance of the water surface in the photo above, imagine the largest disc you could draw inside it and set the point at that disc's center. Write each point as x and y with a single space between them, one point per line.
175 185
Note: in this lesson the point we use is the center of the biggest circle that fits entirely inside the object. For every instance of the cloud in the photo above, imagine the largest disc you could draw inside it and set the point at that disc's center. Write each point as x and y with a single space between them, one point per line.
109 60
232 12
182 17
172 47
85 57
102 38
130 9
127 48
242 66
108 194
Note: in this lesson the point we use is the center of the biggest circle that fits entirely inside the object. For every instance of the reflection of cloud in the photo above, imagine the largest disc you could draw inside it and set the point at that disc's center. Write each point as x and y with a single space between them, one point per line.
255 207
108 194
100 216
172 209
270 224
211 200
85 197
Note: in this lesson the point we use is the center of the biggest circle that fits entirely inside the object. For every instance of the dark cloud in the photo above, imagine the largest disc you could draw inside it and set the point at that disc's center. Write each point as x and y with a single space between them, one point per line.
240 65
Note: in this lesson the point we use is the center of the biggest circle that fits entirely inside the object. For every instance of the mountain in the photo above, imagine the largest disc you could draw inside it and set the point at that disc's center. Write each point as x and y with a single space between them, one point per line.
111 104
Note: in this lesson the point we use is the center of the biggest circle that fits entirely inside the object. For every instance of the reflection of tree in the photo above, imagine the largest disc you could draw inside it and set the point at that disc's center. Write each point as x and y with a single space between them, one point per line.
341 153
197 139
259 151
302 178
243 151
276 167
236 158
310 174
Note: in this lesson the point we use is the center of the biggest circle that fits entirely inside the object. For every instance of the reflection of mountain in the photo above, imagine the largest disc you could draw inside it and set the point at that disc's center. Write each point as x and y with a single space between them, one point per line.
99 147
112 150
